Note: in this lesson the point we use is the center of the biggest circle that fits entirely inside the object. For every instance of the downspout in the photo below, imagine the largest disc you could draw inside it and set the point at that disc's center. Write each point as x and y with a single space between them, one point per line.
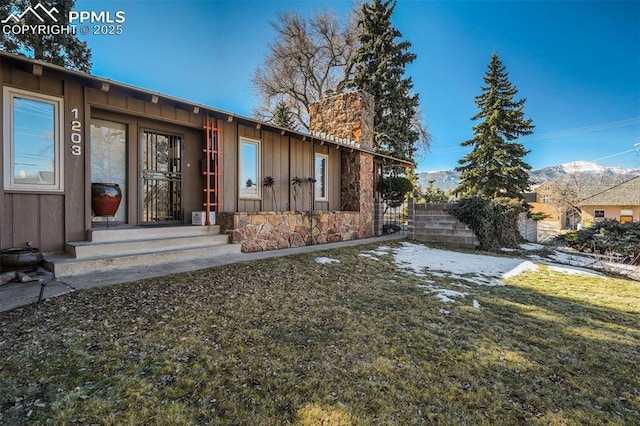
312 191
290 184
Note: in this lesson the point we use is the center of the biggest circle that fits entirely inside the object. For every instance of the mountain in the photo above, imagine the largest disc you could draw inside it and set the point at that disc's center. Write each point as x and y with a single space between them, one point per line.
586 171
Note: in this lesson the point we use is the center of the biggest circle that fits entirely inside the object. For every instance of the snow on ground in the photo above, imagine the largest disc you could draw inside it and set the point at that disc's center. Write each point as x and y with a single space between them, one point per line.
531 246
524 266
326 260
525 247
474 269
446 295
580 261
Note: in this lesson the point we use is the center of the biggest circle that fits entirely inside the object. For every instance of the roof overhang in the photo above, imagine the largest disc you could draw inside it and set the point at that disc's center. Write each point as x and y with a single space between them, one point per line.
36 67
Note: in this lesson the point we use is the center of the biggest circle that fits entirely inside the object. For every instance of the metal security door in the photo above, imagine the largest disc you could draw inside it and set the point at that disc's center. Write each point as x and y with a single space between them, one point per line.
161 180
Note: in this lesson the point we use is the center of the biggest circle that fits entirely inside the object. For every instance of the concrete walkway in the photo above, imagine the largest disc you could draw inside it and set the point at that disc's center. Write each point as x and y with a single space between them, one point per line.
14 295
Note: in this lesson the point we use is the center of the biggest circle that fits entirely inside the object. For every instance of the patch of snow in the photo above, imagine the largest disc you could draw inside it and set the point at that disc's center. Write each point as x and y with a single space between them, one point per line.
444 299
507 249
451 293
476 304
445 295
531 246
426 286
326 260
443 311
368 256
582 166
475 268
524 266
571 264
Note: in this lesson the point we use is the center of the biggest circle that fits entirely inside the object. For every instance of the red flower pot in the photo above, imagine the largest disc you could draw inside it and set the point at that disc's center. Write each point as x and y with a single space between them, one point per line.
105 198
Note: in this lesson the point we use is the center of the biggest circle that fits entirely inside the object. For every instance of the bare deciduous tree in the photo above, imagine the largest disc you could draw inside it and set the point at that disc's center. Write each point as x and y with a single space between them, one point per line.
309 58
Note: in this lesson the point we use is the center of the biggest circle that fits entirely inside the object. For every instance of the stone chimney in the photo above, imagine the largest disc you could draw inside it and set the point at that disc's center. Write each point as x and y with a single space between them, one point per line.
345 115
350 116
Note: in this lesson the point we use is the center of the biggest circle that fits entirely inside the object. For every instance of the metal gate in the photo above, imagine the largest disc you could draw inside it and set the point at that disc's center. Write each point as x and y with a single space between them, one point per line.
161 181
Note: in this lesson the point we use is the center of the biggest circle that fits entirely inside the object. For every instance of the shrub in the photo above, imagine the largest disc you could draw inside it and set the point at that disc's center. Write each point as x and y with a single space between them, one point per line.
607 237
394 190
495 222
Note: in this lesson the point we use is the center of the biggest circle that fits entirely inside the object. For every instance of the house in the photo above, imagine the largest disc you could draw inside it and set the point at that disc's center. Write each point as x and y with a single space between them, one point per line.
620 202
63 130
557 200
549 200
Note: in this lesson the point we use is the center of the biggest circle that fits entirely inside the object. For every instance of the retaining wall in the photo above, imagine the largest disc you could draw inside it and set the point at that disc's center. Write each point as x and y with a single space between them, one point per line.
431 223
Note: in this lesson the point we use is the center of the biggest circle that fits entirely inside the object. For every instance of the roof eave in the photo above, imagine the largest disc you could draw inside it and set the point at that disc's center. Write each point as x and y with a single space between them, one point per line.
190 105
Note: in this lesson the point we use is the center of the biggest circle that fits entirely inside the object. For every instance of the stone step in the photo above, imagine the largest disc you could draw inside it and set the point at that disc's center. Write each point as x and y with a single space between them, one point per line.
149 232
67 265
88 249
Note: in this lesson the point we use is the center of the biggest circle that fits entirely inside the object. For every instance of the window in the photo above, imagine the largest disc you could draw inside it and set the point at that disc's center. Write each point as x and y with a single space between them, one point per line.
626 215
109 159
598 214
33 155
249 169
321 177
546 198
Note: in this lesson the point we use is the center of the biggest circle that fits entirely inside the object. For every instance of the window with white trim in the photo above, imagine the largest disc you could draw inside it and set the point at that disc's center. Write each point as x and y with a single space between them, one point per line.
321 164
33 129
249 170
598 214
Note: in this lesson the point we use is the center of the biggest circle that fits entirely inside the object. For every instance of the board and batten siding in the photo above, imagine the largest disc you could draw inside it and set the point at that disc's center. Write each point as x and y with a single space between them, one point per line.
283 157
46 219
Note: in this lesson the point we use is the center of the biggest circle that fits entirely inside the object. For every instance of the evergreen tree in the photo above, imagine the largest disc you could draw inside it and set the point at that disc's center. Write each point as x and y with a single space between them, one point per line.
380 65
60 49
283 117
495 168
433 194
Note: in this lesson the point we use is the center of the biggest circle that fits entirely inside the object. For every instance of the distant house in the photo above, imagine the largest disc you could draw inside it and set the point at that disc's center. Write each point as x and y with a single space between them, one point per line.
558 200
620 202
550 200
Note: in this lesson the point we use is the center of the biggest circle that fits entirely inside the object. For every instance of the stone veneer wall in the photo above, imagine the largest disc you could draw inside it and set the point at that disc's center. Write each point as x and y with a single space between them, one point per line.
350 116
345 115
259 231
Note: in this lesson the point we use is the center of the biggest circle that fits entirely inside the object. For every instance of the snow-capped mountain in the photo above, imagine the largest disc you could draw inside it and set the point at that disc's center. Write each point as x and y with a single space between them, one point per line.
591 172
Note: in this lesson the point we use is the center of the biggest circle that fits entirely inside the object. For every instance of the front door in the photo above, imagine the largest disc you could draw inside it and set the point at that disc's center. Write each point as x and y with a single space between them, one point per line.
161 178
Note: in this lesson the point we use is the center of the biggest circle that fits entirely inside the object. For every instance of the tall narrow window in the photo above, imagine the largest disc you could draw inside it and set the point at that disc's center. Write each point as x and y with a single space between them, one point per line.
321 177
109 159
249 169
33 141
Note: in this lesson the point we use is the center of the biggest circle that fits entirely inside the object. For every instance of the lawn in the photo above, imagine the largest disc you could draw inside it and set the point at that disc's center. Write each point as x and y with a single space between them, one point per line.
358 335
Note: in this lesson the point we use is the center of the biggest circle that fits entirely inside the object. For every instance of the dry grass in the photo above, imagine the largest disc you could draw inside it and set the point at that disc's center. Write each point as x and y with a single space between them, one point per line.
291 341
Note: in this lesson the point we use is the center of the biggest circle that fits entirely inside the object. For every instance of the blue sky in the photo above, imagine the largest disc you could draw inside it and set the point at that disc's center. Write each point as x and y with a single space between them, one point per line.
576 62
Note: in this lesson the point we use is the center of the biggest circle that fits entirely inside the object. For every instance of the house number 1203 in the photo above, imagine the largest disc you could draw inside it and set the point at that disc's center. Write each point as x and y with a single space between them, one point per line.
76 134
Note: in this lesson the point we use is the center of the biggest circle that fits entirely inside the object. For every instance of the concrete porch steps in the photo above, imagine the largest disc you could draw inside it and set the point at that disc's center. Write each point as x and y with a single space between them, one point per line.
118 248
